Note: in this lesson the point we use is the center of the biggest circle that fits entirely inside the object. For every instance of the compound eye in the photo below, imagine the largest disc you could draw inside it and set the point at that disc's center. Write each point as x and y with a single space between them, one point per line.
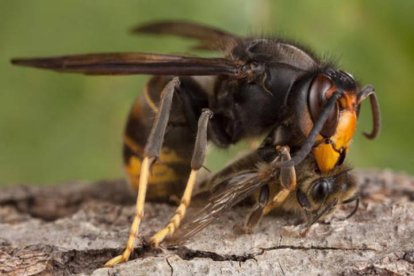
320 91
321 189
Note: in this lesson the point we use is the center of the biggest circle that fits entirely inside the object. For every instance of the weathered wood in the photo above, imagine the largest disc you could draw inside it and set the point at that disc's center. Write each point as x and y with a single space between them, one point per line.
75 228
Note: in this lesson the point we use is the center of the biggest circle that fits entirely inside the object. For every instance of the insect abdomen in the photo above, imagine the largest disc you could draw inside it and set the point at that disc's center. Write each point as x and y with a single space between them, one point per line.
169 174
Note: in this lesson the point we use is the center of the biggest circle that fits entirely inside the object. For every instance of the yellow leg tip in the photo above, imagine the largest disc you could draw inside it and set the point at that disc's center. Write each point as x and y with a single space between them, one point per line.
158 237
114 261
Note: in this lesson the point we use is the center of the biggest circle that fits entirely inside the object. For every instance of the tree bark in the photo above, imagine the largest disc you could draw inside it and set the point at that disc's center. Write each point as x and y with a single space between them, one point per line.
76 228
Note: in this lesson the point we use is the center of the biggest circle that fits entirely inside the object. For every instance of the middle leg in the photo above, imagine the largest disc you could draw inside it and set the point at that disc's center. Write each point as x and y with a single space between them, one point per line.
196 163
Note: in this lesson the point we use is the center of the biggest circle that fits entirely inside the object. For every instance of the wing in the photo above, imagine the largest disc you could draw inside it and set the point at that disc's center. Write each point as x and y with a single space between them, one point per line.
238 187
133 63
295 56
209 38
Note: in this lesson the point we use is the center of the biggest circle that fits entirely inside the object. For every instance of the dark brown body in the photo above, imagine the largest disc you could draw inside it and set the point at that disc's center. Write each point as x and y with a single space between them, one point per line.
261 87
234 119
241 109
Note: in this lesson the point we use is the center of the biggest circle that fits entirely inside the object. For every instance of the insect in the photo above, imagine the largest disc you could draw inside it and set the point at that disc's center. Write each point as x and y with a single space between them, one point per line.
261 86
301 190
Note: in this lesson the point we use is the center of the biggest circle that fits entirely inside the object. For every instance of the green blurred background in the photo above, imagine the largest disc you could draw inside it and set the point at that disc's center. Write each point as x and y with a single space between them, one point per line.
61 127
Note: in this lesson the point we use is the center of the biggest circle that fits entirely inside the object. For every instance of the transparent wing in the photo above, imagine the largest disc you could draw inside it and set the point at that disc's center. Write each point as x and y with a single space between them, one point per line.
209 38
238 187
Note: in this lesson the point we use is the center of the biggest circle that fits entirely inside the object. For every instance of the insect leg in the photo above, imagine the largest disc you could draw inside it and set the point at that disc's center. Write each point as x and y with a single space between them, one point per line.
257 212
196 163
287 180
151 153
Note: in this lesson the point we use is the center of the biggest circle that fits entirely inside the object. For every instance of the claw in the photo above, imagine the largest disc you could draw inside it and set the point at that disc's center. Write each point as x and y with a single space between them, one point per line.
114 261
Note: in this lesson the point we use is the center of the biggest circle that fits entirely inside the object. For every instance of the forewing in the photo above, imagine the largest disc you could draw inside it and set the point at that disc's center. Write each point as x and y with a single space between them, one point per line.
133 63
209 38
238 187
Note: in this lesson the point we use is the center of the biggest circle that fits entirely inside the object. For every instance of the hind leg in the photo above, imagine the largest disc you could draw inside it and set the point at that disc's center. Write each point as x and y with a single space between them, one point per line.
151 153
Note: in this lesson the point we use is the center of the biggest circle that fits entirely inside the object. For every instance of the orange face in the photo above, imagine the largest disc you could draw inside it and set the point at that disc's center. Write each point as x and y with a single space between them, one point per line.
328 151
